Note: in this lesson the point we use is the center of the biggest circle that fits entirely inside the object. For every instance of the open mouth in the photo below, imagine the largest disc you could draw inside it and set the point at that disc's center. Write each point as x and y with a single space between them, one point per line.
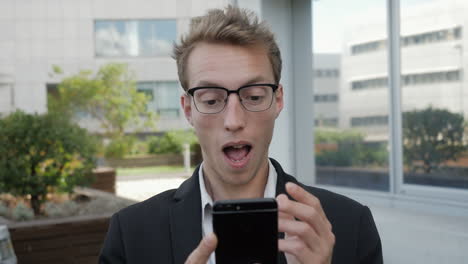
237 153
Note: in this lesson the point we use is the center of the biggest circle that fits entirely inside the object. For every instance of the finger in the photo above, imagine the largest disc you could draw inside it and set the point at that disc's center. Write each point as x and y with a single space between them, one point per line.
202 253
301 230
304 197
285 216
305 213
297 248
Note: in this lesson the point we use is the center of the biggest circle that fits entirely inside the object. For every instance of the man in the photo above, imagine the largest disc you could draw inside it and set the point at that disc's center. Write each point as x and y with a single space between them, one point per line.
230 67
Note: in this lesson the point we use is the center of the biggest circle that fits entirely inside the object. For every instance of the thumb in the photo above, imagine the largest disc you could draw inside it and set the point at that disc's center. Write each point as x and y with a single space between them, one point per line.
202 253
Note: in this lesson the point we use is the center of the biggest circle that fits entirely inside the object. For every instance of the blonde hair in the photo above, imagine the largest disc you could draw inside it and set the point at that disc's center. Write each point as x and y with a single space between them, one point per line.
232 25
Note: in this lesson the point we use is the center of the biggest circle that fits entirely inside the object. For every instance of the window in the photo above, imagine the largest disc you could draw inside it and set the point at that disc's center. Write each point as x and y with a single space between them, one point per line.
326 122
164 97
369 121
416 39
435 110
326 73
134 38
409 79
350 140
373 83
325 98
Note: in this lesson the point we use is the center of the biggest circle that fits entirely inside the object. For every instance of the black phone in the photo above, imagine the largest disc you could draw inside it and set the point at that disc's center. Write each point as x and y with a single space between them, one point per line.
247 231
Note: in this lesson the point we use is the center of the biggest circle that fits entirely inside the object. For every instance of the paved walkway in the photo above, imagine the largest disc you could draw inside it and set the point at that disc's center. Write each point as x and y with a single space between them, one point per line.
142 187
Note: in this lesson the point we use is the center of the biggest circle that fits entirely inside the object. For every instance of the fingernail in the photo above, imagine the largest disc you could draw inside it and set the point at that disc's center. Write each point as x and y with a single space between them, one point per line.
280 199
209 241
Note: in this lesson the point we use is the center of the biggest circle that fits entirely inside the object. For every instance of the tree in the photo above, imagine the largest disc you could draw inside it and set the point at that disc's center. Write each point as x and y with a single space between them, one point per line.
110 97
43 153
432 136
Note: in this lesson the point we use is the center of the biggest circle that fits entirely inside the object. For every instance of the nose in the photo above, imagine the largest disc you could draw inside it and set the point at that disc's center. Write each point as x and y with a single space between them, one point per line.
234 118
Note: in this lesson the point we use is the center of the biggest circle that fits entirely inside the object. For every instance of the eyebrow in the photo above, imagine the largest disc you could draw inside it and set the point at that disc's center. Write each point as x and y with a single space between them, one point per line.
256 79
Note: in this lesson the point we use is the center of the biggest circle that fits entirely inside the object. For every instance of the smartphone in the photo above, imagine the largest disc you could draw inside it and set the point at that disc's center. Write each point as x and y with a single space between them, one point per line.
247 231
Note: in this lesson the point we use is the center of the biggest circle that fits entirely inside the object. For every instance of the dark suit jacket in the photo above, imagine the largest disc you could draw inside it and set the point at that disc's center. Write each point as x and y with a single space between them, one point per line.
167 227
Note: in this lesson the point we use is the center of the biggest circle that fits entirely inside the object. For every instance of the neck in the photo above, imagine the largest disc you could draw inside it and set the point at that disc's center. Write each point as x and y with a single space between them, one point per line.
221 190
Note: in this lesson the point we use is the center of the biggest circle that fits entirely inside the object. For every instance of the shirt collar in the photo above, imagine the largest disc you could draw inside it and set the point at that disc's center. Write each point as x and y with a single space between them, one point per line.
270 187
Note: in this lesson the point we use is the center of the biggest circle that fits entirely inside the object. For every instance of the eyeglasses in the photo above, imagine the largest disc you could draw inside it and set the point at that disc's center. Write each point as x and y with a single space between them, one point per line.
213 99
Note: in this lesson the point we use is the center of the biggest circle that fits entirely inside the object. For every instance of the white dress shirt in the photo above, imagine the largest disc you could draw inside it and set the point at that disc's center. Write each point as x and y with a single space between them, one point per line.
207 201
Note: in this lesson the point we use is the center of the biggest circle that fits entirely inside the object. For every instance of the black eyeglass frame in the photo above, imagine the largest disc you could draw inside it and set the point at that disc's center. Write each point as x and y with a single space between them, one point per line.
274 87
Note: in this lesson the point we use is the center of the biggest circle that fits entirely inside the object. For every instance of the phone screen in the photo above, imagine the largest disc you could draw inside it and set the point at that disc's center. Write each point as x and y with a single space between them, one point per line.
247 231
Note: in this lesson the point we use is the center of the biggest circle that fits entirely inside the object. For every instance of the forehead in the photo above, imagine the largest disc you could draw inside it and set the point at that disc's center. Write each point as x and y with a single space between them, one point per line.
228 65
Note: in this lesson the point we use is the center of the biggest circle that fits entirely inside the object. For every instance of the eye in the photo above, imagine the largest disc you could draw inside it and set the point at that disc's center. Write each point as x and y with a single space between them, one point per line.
254 98
211 102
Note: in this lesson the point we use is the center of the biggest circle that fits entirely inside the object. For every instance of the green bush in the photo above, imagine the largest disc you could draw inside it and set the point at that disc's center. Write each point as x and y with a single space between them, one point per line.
22 212
139 147
172 142
349 149
119 147
43 153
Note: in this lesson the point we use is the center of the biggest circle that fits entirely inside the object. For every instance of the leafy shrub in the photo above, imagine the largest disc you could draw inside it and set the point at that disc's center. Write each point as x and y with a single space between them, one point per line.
67 208
99 205
22 212
43 153
171 142
348 149
4 210
139 147
119 147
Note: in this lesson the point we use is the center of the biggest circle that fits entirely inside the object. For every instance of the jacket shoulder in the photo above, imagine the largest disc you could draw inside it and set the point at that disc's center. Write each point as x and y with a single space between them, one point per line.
159 204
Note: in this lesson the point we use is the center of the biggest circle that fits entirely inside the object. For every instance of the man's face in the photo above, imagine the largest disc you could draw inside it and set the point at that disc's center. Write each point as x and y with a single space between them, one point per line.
235 141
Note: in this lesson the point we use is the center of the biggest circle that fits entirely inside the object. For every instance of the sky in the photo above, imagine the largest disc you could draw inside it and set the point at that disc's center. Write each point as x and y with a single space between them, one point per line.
331 18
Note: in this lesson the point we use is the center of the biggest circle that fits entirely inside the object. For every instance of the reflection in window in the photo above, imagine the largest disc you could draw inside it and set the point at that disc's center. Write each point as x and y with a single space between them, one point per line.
434 124
118 38
326 73
410 79
346 155
369 121
164 97
326 122
416 39
325 98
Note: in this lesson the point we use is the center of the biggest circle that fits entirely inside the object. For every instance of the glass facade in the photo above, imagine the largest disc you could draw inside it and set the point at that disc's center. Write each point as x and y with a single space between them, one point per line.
164 95
434 99
351 149
430 98
134 38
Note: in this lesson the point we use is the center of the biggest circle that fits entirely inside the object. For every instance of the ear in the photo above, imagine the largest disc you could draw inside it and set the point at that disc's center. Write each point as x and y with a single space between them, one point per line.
186 104
279 99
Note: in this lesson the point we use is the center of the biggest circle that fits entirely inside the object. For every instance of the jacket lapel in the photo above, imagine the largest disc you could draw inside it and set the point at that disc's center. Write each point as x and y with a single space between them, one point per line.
281 181
185 223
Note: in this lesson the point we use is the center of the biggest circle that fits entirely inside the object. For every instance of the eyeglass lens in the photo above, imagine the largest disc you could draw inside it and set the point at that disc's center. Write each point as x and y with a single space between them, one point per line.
253 98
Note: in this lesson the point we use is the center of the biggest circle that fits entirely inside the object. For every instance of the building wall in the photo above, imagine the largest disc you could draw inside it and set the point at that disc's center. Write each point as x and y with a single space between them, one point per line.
37 34
326 89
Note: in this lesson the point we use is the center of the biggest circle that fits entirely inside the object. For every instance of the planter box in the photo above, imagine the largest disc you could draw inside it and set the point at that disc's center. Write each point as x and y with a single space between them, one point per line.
61 241
70 240
104 179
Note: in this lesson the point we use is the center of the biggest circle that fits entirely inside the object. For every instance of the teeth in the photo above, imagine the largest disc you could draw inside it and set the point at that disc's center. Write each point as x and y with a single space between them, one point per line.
238 146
